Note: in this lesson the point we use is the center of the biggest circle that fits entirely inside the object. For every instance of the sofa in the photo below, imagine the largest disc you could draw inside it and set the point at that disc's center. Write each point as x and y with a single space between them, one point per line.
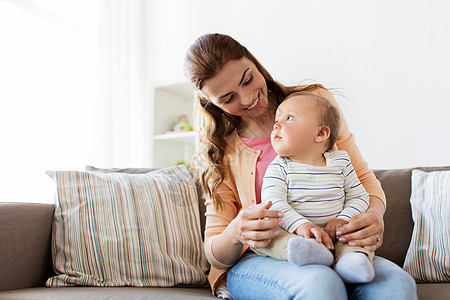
26 264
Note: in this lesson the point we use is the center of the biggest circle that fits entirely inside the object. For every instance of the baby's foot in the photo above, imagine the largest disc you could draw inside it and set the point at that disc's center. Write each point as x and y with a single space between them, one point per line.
355 267
302 251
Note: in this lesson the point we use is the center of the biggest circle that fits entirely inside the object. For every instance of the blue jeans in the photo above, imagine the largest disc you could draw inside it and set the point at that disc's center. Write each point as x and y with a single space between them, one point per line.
258 277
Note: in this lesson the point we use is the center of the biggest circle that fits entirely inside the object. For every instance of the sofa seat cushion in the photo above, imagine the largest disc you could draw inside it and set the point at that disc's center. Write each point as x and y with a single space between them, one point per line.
433 291
110 293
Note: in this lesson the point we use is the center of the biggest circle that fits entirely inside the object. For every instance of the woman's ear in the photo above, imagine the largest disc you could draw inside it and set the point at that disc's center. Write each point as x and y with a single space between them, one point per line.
323 134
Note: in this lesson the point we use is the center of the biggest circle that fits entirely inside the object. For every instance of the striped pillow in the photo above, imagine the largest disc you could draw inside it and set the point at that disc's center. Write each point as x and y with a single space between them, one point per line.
428 256
116 229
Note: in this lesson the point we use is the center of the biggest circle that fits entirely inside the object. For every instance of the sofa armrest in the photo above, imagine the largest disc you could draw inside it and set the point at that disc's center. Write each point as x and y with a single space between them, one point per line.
25 238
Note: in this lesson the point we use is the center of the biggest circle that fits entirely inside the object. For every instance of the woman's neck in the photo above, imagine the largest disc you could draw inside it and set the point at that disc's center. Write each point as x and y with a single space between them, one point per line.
256 128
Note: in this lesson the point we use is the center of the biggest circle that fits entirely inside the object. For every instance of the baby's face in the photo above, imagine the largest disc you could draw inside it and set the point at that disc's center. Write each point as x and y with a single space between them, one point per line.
296 126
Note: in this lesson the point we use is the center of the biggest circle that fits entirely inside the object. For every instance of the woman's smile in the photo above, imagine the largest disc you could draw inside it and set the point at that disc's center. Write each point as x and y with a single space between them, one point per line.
254 105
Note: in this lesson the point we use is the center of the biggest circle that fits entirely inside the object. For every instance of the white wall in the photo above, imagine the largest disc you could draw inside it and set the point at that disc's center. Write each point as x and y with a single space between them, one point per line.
389 58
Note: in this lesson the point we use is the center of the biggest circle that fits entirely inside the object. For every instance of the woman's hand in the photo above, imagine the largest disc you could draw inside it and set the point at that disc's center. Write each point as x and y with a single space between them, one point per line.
256 226
333 226
366 229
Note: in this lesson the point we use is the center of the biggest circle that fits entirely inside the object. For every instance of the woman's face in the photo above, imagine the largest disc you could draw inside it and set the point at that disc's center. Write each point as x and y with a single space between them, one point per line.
239 89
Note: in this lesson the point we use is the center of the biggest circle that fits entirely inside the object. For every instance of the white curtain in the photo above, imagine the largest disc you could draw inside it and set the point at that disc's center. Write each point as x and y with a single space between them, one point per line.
48 82
124 79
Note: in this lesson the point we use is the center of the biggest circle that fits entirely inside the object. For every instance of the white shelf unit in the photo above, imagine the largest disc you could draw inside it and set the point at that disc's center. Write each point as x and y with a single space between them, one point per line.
169 101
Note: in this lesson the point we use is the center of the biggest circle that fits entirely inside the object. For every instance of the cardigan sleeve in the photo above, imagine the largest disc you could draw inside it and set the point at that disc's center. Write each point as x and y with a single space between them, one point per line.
218 220
346 141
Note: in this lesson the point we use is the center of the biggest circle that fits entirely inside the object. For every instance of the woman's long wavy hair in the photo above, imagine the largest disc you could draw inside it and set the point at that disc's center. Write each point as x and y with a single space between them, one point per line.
203 60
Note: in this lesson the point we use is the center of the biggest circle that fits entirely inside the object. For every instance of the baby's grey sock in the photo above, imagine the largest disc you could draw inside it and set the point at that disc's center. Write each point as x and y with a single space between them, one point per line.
355 267
302 251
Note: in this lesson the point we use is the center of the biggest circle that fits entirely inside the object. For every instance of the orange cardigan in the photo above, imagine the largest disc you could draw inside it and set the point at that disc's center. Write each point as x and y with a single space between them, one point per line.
238 188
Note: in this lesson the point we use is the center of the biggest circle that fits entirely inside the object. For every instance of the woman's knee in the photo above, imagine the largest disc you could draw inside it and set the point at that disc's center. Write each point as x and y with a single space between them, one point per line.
388 271
400 285
320 282
390 282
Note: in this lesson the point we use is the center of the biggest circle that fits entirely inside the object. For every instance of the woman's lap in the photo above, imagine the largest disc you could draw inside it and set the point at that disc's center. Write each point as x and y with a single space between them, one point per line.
390 282
258 277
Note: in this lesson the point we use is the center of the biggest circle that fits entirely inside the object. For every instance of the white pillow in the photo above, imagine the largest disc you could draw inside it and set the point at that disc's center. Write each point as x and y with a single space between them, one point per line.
116 229
428 256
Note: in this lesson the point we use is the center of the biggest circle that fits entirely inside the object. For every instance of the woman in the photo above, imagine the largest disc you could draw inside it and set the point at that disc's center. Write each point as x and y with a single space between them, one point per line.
237 99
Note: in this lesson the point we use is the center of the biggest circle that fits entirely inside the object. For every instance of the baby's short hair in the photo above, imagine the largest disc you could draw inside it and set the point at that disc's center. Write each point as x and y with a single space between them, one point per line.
329 115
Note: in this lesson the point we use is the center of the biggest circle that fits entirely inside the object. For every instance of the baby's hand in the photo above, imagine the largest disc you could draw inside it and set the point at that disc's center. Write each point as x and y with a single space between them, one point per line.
332 226
308 230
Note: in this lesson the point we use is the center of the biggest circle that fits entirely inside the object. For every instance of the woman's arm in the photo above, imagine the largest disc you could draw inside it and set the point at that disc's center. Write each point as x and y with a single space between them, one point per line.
228 230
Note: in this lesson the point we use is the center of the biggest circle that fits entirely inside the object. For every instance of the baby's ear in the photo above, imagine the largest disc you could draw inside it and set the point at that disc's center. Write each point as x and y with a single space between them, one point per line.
323 134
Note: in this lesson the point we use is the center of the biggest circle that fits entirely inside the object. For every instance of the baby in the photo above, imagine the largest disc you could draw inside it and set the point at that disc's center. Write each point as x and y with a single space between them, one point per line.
315 187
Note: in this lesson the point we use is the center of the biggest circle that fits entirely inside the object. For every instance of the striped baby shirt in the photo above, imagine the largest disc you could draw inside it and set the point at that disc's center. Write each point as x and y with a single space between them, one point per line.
312 193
